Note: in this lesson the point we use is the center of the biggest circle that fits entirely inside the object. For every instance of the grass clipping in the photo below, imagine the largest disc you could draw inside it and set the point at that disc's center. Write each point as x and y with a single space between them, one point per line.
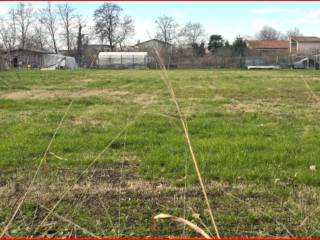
179 220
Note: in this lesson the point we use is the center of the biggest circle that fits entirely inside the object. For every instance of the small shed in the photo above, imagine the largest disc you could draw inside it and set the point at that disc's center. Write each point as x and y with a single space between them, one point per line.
123 59
23 57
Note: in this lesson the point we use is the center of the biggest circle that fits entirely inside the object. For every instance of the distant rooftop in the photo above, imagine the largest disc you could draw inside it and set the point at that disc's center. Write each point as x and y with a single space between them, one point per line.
157 40
28 50
306 39
268 44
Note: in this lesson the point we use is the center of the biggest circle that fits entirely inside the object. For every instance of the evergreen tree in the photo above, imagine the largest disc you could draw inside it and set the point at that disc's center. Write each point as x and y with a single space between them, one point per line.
215 42
239 46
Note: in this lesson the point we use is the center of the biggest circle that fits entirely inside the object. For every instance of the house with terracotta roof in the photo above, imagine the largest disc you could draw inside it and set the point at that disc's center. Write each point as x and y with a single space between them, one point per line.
305 44
268 47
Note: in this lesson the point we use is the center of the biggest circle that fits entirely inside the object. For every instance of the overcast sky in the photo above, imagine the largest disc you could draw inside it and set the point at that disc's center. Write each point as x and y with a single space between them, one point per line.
226 18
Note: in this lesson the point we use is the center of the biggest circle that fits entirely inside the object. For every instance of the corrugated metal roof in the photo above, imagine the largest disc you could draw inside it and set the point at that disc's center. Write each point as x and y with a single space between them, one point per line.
28 50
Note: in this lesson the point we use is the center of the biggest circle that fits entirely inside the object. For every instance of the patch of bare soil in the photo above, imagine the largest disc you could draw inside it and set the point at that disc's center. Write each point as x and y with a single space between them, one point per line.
118 95
107 181
102 93
29 95
274 107
241 209
7 116
124 174
47 94
145 99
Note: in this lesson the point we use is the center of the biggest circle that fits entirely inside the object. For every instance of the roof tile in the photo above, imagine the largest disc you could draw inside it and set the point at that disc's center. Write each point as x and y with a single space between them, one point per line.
268 44
306 39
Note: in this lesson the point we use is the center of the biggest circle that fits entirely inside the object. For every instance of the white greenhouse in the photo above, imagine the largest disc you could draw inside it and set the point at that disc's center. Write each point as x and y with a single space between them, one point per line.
123 59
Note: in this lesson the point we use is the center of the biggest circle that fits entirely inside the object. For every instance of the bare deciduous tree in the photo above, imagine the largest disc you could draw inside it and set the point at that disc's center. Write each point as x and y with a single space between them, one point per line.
8 31
24 18
191 33
294 32
38 40
110 26
67 16
166 29
107 20
48 18
125 31
269 33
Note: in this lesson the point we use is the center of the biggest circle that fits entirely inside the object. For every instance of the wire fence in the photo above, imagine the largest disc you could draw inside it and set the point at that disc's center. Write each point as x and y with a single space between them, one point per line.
173 61
211 61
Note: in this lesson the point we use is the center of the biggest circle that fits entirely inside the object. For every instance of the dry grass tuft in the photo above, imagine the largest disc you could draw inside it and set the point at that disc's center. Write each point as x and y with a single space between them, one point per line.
179 220
167 81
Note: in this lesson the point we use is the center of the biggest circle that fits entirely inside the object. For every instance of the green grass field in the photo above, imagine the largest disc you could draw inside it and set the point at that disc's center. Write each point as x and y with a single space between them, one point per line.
256 136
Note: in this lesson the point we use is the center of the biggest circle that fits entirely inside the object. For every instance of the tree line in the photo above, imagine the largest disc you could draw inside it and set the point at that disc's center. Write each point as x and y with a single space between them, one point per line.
61 26
25 27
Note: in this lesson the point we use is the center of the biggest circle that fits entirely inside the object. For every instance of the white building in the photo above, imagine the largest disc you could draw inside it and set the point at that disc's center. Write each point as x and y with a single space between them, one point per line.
305 45
153 43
